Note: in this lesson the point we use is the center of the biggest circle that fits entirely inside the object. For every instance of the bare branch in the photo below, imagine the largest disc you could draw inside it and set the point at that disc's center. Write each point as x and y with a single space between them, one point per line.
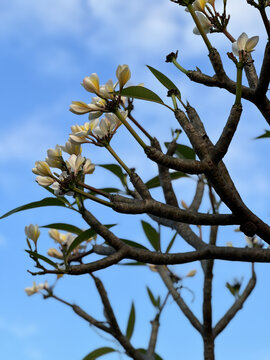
227 134
196 202
184 165
264 78
116 332
225 320
179 300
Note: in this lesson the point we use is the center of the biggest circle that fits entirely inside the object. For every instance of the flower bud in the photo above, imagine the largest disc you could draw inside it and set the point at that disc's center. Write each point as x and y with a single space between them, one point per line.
32 232
123 75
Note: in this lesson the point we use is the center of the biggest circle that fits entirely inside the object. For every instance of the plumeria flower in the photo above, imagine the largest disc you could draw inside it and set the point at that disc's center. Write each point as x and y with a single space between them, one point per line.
199 5
80 107
91 83
206 24
81 132
71 148
32 232
123 75
244 44
75 162
42 168
45 180
36 288
88 167
101 104
107 125
55 158
55 253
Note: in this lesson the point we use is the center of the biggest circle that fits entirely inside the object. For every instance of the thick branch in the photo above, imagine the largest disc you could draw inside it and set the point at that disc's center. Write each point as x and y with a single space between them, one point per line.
170 212
264 78
184 165
227 134
165 178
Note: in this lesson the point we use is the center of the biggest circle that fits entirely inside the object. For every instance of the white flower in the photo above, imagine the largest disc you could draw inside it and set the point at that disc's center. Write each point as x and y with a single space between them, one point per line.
55 253
107 125
54 158
199 5
123 74
75 162
36 288
45 180
91 83
244 44
42 168
88 167
32 232
71 148
80 107
206 24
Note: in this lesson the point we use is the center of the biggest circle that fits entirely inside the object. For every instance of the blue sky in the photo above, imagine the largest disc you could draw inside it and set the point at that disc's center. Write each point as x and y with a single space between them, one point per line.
47 48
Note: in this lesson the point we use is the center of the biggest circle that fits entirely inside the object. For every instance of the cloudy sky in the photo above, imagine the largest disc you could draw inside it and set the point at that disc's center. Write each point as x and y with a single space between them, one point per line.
47 48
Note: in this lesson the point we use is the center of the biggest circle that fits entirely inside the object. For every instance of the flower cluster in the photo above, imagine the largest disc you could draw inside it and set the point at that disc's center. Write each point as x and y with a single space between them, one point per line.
64 241
36 288
244 45
107 98
72 169
97 131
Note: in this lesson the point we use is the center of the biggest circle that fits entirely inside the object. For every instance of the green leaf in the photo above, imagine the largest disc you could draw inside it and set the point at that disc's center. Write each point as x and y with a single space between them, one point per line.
98 352
143 351
155 182
140 92
151 297
183 151
134 244
151 234
133 263
66 227
44 202
131 322
116 170
41 257
163 79
265 135
84 235
171 243
111 190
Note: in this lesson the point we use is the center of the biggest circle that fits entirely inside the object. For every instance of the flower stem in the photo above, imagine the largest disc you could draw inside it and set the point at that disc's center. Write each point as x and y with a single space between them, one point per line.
239 83
92 197
91 188
199 26
174 102
176 63
130 129
140 127
117 158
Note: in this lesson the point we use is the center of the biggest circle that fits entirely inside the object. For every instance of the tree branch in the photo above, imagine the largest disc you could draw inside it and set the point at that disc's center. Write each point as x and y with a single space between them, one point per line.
179 300
225 320
116 332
